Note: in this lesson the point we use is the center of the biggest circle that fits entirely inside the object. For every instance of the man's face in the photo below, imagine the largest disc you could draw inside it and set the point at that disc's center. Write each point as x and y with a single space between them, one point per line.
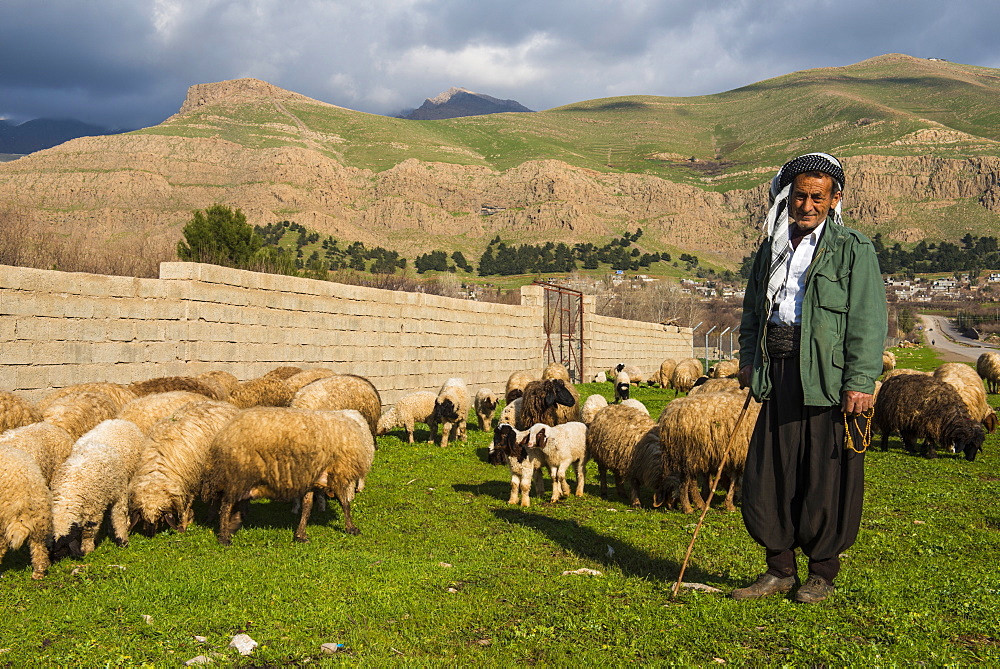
810 200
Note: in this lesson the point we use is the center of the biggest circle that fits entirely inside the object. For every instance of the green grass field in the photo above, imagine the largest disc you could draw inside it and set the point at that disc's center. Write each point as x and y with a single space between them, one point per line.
446 573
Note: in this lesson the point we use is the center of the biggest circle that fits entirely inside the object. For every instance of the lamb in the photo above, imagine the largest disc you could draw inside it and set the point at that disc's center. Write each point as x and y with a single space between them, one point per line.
627 441
695 432
988 367
169 474
410 409
166 384
48 444
485 404
298 381
685 374
919 406
146 410
635 404
116 392
541 402
339 392
591 407
970 388
79 412
556 370
622 383
285 454
451 410
516 383
525 463
95 477
888 361
562 445
267 392
16 412
724 369
25 508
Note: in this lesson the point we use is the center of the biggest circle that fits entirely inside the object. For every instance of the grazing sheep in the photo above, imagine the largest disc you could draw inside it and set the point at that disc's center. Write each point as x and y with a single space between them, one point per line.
166 384
600 377
899 371
510 412
222 383
298 381
410 409
922 407
339 392
262 392
966 381
627 441
635 375
556 370
655 379
542 400
116 392
93 479
724 369
622 383
48 444
591 407
146 410
79 412
15 412
888 361
285 454
667 371
485 404
169 474
516 383
988 368
716 386
525 463
25 508
695 432
562 445
635 404
685 374
451 410
282 373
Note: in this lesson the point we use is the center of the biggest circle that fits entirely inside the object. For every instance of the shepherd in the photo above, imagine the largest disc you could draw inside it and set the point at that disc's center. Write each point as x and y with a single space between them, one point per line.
811 340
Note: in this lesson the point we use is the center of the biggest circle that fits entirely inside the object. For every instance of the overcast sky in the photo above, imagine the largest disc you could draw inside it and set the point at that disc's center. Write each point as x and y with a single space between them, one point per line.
128 63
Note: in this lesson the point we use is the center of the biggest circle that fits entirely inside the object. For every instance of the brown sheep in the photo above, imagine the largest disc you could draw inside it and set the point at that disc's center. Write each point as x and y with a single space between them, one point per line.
556 370
79 412
969 386
282 373
988 368
725 385
888 361
516 383
116 392
299 381
166 384
627 441
223 383
15 412
667 371
342 391
542 400
146 410
485 404
262 392
724 369
685 374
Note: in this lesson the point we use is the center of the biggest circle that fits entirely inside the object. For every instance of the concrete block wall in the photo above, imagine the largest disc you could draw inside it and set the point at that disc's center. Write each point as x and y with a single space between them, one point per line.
59 328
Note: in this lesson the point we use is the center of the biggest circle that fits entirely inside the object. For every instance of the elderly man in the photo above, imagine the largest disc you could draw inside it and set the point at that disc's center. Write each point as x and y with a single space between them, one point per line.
811 338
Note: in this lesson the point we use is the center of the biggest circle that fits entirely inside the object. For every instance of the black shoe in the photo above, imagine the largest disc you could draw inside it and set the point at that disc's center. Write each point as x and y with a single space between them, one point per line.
766 584
815 589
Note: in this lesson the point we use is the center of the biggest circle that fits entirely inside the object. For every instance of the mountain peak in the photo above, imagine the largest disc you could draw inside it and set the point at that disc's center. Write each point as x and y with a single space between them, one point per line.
234 90
456 102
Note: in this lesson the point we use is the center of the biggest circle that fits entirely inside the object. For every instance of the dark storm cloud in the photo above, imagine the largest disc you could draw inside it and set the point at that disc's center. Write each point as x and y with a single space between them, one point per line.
128 63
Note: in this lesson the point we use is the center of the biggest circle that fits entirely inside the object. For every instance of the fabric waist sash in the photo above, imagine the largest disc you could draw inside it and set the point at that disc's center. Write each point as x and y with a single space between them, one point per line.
783 340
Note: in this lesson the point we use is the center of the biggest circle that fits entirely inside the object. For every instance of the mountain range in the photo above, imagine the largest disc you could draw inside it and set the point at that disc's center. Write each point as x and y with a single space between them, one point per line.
920 141
459 102
44 133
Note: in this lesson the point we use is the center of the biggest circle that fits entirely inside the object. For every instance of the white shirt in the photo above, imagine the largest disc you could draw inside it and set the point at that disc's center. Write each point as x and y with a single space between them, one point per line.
787 308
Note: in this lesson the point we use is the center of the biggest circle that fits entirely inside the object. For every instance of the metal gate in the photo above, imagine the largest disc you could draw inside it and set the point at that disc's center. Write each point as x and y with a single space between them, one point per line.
564 328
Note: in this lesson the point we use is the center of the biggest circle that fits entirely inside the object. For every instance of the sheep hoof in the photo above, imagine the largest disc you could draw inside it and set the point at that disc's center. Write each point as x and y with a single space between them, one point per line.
352 530
224 541
37 575
302 540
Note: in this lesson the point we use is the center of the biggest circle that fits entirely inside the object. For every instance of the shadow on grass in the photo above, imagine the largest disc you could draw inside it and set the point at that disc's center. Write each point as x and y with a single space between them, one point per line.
499 490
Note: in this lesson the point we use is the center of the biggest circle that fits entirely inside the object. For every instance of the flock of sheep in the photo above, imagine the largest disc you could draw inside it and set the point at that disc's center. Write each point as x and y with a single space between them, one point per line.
143 453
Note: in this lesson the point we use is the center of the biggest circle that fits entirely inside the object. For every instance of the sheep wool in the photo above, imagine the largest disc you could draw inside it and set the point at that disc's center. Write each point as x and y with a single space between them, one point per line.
262 392
339 392
899 371
556 370
283 372
93 479
146 410
284 454
25 508
410 409
667 371
170 472
118 394
510 413
48 444
222 383
79 412
685 374
451 410
888 361
166 384
635 375
724 369
563 446
542 401
600 377
485 404
969 386
635 404
613 442
525 462
299 381
988 368
724 385
591 407
516 383
15 412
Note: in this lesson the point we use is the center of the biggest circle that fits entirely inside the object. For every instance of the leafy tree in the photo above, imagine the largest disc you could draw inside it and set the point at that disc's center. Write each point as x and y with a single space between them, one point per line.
220 236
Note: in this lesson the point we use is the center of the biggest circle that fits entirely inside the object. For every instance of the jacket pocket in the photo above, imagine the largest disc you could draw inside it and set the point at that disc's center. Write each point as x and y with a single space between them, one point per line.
832 290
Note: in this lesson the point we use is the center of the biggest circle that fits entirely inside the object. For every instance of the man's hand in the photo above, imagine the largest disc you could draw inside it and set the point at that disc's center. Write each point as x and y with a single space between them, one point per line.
744 376
854 402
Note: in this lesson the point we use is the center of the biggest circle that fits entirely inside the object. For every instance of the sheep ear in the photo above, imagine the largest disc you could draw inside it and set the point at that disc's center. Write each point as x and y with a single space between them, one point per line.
134 519
170 520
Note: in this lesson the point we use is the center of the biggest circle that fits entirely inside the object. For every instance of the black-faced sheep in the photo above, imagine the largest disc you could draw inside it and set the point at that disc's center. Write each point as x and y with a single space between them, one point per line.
485 404
516 383
339 392
685 374
25 508
451 410
262 392
146 410
79 412
92 480
286 454
166 384
48 444
170 472
600 377
922 407
410 409
525 463
563 445
622 383
542 400
695 434
969 386
627 441
16 411
988 368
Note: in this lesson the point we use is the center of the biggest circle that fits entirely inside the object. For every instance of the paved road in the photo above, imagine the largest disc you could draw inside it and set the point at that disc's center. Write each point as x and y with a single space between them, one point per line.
949 342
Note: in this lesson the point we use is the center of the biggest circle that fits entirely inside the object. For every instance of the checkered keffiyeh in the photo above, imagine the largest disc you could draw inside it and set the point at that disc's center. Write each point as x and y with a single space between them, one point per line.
776 225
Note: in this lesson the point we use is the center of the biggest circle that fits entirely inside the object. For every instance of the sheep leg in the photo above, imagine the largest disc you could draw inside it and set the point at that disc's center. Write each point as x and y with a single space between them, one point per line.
556 485
463 429
445 432
581 468
885 441
88 535
39 558
345 505
602 475
731 494
186 515
634 493
119 520
685 494
515 488
539 485
432 428
307 505
526 490
409 434
619 485
696 494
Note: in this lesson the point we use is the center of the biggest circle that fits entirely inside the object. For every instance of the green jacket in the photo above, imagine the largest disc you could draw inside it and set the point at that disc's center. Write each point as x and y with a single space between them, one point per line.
843 319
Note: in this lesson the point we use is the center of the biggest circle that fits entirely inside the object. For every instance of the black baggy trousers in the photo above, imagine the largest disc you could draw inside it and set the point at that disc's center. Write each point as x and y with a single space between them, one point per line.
801 488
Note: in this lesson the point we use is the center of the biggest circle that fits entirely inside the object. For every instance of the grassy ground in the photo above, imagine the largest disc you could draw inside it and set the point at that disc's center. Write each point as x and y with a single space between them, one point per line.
445 572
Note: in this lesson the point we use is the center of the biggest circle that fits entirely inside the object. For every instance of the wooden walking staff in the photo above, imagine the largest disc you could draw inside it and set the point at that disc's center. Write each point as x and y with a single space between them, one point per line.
708 503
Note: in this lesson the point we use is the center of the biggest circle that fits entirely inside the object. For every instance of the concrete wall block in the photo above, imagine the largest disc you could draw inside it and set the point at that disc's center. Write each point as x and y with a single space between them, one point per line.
8 326
17 353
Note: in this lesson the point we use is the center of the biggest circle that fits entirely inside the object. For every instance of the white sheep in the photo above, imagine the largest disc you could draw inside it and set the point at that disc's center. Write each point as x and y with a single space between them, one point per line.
286 454
622 383
339 392
525 462
410 409
510 413
635 404
485 404
451 410
25 508
93 479
48 444
562 446
591 407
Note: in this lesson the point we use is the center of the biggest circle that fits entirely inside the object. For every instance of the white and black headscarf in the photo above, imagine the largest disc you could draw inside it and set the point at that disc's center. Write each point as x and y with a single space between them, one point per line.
776 225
